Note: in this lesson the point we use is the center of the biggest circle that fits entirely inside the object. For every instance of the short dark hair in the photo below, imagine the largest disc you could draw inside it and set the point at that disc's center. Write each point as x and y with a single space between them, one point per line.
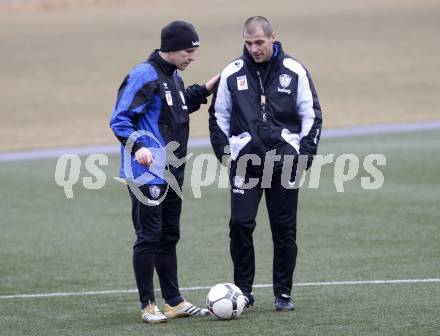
253 23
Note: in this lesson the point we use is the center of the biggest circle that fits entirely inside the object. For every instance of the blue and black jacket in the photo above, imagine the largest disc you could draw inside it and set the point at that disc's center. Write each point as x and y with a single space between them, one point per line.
152 108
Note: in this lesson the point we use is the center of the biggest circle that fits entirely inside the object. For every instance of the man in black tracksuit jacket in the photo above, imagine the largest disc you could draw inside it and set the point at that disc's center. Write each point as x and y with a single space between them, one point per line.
266 110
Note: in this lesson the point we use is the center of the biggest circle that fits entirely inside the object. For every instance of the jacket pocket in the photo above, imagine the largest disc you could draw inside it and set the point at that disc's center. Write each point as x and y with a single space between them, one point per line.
237 142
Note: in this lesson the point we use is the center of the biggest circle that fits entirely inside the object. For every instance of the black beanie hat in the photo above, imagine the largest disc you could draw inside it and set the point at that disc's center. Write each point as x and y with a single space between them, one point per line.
178 35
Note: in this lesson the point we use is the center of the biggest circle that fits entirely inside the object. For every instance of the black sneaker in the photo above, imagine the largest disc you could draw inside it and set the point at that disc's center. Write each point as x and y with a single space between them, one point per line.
284 303
249 299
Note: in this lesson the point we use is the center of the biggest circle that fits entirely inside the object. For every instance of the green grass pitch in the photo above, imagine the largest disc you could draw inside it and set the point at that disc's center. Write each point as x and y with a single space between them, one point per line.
52 244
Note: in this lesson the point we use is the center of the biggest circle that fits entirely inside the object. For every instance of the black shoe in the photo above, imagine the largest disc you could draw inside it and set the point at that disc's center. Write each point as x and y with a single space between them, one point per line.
284 303
249 298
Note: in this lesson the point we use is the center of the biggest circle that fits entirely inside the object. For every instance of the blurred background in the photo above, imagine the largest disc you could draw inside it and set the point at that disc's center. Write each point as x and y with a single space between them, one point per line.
61 62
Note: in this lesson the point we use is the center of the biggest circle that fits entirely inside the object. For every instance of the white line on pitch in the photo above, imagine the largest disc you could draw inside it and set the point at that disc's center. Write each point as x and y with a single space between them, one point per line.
304 284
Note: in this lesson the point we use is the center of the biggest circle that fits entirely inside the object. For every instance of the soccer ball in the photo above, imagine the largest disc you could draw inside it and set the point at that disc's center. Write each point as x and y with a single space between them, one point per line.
225 301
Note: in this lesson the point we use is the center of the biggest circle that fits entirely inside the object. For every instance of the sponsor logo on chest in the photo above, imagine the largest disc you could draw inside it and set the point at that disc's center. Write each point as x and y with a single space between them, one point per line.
169 98
242 83
284 83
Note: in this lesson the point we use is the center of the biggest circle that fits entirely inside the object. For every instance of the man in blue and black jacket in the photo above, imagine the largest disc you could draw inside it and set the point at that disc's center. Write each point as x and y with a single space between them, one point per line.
266 113
151 120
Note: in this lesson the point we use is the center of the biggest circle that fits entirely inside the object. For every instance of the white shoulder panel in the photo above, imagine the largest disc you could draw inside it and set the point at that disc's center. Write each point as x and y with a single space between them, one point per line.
232 68
294 66
304 96
223 103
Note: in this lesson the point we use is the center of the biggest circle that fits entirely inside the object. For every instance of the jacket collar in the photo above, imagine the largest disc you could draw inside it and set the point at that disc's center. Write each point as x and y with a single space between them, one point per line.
166 67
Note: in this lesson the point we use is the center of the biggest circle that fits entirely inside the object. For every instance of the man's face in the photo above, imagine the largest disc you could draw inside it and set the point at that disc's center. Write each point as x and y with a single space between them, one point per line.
259 45
182 58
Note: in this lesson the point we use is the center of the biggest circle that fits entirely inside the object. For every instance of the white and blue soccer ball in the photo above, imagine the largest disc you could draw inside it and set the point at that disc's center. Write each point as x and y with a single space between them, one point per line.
225 301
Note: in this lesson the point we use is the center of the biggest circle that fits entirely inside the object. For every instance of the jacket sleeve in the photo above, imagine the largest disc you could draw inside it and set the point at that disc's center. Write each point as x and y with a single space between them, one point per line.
310 114
195 96
220 117
134 97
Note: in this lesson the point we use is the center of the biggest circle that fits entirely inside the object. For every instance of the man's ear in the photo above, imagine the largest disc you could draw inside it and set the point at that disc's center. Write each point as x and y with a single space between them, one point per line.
273 36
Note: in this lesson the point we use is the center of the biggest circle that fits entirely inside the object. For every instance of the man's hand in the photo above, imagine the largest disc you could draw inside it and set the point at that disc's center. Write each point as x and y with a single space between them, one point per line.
210 85
144 156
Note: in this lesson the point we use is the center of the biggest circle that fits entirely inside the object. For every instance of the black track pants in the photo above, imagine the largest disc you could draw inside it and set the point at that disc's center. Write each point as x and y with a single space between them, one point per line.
282 206
157 233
